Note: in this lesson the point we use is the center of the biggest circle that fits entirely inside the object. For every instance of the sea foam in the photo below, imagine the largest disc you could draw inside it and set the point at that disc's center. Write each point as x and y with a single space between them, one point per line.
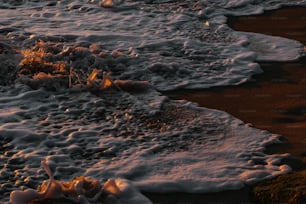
133 131
158 144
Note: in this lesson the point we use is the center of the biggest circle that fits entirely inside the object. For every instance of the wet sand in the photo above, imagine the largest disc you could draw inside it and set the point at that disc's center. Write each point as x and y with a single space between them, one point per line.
274 100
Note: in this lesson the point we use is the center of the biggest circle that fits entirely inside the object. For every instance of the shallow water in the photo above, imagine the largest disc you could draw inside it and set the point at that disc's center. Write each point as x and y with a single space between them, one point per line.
48 111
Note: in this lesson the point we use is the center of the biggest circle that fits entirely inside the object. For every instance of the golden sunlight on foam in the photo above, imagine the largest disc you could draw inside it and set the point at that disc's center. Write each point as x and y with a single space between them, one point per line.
42 76
34 61
50 65
112 187
206 23
55 66
78 190
92 79
107 82
94 83
93 75
107 3
117 53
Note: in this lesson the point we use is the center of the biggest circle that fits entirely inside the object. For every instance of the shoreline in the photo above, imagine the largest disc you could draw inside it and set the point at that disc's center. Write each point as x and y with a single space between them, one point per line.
274 100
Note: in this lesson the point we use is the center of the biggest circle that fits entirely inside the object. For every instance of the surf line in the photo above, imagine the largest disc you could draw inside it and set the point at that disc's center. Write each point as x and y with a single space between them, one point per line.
274 100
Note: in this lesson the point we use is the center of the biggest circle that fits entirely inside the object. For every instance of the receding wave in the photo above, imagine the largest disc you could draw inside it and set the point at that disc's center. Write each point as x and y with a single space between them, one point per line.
80 91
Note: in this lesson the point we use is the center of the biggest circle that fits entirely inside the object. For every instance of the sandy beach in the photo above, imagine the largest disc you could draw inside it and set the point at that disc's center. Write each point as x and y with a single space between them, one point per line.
274 100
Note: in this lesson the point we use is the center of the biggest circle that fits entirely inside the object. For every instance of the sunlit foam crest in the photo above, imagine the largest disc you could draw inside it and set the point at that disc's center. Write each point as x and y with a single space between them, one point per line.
117 53
93 75
106 3
42 76
35 60
45 64
93 81
206 23
79 190
107 82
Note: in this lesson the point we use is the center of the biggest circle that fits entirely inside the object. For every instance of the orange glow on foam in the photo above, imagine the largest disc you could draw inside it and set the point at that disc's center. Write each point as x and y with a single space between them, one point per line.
112 187
107 82
107 3
93 75
206 23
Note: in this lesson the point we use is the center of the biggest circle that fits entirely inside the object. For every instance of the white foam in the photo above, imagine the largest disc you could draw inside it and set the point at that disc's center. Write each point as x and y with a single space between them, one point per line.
158 144
213 8
174 146
273 48
113 191
174 49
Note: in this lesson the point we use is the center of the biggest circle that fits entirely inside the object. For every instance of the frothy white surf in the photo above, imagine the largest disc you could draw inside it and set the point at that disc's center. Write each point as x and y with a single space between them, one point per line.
158 144
135 133
80 190
174 47
272 48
